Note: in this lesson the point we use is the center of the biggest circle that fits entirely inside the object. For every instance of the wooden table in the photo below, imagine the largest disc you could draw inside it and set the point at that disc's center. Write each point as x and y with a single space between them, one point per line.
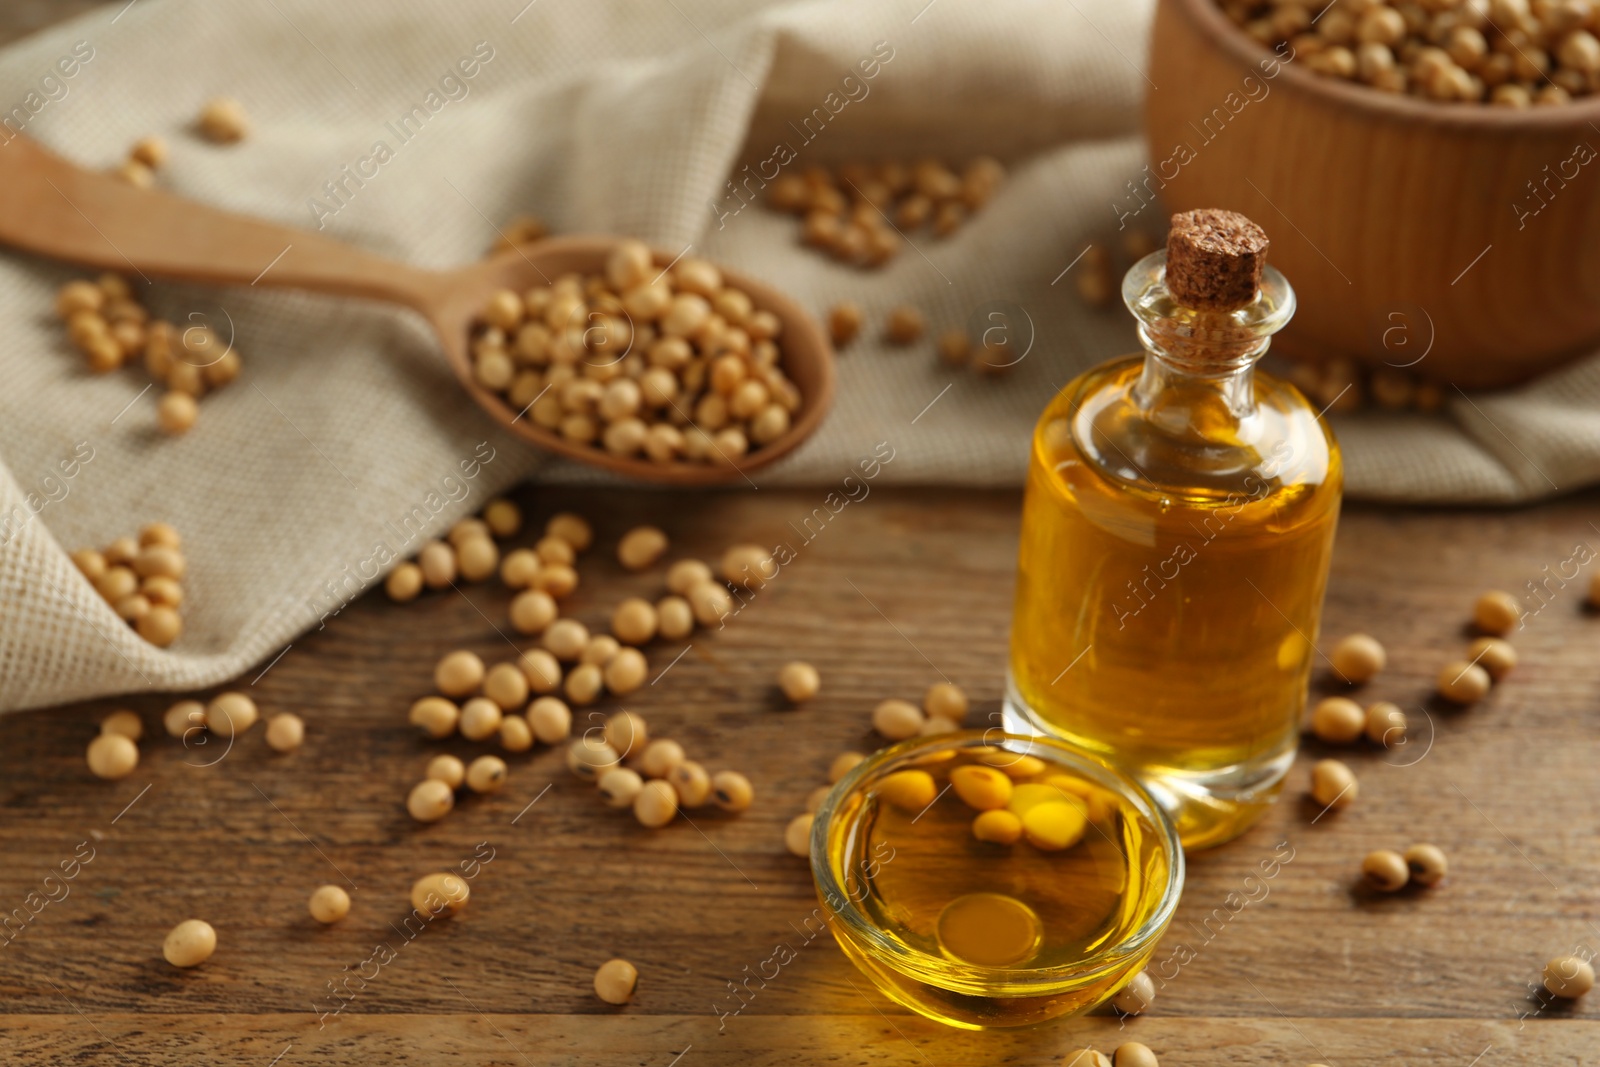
900 590
897 591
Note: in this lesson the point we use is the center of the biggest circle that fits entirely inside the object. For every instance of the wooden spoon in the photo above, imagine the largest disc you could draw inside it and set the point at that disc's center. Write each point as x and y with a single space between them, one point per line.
53 208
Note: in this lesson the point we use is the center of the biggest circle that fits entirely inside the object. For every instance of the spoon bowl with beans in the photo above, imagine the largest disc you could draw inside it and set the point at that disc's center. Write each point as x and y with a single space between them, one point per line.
56 209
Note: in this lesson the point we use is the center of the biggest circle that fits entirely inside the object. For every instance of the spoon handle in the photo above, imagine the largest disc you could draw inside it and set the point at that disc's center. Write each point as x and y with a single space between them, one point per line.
51 207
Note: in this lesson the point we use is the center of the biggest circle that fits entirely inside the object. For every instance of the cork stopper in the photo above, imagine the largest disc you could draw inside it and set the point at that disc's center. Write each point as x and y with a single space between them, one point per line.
1214 259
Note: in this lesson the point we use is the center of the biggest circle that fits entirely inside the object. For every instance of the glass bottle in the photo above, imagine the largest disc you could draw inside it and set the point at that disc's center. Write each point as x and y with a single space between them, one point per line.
1176 534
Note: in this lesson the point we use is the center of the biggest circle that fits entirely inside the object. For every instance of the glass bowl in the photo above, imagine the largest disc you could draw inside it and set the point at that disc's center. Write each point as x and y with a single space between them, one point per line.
994 932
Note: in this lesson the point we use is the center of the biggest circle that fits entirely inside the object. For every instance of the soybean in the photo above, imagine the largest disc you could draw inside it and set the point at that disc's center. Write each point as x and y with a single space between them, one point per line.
905 324
486 774
573 529
731 791
1136 997
112 756
1427 864
532 611
1386 724
1358 657
799 681
657 803
230 714
844 322
1134 1054
184 716
285 732
223 120
599 650
1568 977
404 583
897 719
634 621
1496 613
566 639
189 944
614 982
160 626
477 558
1338 720
1333 785
506 685
480 719
515 734
626 672
685 574
981 788
661 757
1055 825
123 722
436 716
503 517
1000 827
640 547
458 673
747 565
466 529
553 551
691 782
438 563
674 618
329 904
945 700
1463 682
1386 870
584 683
843 764
176 413
430 800
710 601
589 758
519 568
434 895
620 786
541 669
1493 655
908 790
626 732
550 719
447 769
797 835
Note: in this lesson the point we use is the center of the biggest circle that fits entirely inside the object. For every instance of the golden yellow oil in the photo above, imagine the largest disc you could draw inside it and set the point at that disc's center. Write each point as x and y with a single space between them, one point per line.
982 934
1175 547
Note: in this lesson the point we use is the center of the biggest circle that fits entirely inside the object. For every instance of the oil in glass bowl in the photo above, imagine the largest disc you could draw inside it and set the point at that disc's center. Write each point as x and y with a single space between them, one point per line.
994 880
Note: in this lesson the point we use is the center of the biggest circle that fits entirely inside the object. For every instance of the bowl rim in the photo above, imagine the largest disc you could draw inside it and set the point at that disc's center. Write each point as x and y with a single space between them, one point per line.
963 976
1209 19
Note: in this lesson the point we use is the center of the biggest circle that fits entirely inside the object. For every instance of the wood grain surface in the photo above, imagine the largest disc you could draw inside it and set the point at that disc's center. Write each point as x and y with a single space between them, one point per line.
900 589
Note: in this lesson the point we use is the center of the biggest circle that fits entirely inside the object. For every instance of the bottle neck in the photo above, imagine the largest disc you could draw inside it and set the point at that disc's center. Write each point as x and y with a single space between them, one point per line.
1197 373
1198 377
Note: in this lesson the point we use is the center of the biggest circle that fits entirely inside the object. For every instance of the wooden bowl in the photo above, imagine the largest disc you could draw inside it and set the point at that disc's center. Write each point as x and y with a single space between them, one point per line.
1411 231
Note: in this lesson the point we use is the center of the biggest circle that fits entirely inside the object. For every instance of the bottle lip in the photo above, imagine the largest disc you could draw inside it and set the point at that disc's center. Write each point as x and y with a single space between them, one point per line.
1145 292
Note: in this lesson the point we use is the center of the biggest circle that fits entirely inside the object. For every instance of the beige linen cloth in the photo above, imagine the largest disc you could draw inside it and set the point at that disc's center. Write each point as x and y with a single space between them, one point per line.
625 117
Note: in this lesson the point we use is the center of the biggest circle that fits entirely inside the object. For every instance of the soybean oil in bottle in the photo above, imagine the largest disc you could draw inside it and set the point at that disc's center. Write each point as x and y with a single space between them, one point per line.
1177 529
